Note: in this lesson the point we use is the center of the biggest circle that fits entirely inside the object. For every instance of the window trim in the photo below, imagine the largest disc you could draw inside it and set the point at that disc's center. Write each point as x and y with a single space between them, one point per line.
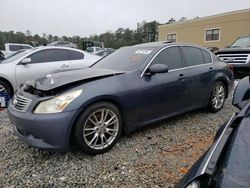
150 62
208 29
172 34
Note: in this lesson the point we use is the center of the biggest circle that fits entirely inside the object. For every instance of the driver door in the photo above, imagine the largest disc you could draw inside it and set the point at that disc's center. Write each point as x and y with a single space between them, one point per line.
164 94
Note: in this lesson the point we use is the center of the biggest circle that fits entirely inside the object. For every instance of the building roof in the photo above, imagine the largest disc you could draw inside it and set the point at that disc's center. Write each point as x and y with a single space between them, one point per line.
207 17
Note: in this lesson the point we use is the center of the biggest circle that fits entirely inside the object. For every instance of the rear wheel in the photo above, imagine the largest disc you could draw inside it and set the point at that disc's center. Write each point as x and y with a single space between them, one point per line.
98 128
217 98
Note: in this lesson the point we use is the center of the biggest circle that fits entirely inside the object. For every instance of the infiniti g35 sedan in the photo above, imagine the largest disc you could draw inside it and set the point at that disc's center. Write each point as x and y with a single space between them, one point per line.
132 87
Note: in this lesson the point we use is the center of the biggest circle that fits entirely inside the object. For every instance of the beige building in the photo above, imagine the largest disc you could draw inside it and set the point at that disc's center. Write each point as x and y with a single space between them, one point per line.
213 31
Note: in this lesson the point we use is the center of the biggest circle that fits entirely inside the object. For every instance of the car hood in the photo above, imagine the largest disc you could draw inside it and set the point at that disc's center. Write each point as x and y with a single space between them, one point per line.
69 77
233 50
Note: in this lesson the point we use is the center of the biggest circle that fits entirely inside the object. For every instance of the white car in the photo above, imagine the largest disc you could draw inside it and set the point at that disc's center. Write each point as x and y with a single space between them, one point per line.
93 49
38 62
63 44
13 47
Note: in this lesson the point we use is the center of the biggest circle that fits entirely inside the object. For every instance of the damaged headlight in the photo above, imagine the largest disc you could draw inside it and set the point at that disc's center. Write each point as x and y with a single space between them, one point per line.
57 104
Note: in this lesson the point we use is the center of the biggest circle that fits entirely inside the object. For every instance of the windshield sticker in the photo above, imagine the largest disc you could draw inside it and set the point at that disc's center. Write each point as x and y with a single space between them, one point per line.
135 58
144 52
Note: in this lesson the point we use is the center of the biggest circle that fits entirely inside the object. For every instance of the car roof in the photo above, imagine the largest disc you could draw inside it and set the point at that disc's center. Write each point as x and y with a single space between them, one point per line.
57 47
18 44
245 36
165 43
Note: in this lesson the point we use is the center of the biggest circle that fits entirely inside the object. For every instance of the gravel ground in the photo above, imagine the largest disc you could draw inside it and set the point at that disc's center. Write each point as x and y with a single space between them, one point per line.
157 156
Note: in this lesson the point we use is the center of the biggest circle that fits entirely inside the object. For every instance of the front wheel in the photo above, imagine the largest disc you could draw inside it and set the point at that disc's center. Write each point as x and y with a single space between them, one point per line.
217 98
98 128
5 88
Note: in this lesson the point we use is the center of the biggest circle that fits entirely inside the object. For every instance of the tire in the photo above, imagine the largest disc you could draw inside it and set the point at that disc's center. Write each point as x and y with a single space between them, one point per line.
94 135
5 88
217 97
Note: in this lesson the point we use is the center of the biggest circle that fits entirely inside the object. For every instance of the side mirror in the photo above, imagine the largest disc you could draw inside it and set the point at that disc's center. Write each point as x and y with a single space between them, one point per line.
158 68
26 61
242 93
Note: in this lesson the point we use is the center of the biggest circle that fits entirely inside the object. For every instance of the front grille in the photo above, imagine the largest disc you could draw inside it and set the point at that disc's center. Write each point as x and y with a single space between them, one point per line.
235 58
20 103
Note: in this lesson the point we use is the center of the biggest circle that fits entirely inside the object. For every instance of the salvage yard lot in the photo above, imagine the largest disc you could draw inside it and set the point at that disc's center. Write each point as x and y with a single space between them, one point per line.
156 156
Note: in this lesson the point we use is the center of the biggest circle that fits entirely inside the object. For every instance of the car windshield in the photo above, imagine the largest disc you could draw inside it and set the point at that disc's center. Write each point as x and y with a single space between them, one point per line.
125 59
15 56
242 42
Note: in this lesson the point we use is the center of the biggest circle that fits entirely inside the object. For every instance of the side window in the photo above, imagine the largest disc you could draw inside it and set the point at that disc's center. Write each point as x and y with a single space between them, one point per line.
193 56
206 56
73 55
49 56
15 47
170 57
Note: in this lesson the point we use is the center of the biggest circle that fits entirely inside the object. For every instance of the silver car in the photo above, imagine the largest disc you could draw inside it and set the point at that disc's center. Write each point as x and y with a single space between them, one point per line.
37 62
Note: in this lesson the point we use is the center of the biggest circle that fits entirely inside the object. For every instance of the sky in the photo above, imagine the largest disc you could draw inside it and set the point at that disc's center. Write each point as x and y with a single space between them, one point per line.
89 17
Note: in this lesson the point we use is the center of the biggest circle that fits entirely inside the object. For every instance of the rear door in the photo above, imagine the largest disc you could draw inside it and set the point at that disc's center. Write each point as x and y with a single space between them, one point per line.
162 94
198 63
42 63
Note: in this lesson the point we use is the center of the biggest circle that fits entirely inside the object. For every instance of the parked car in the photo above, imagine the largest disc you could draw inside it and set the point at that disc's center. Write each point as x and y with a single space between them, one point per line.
132 87
11 55
213 49
102 53
226 162
13 47
63 44
238 54
93 49
37 62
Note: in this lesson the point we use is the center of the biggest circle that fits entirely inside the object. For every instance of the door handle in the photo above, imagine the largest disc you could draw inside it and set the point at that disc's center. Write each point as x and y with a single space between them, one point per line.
181 77
64 66
211 68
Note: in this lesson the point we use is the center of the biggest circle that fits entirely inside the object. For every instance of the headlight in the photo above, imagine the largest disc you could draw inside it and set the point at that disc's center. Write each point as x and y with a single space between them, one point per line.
194 184
57 104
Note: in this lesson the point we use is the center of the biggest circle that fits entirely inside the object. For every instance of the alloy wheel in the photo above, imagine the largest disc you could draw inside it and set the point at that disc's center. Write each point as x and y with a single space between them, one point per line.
2 89
101 129
218 96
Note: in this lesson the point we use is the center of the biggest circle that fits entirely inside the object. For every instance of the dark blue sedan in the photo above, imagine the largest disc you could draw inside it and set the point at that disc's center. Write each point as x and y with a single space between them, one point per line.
133 87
